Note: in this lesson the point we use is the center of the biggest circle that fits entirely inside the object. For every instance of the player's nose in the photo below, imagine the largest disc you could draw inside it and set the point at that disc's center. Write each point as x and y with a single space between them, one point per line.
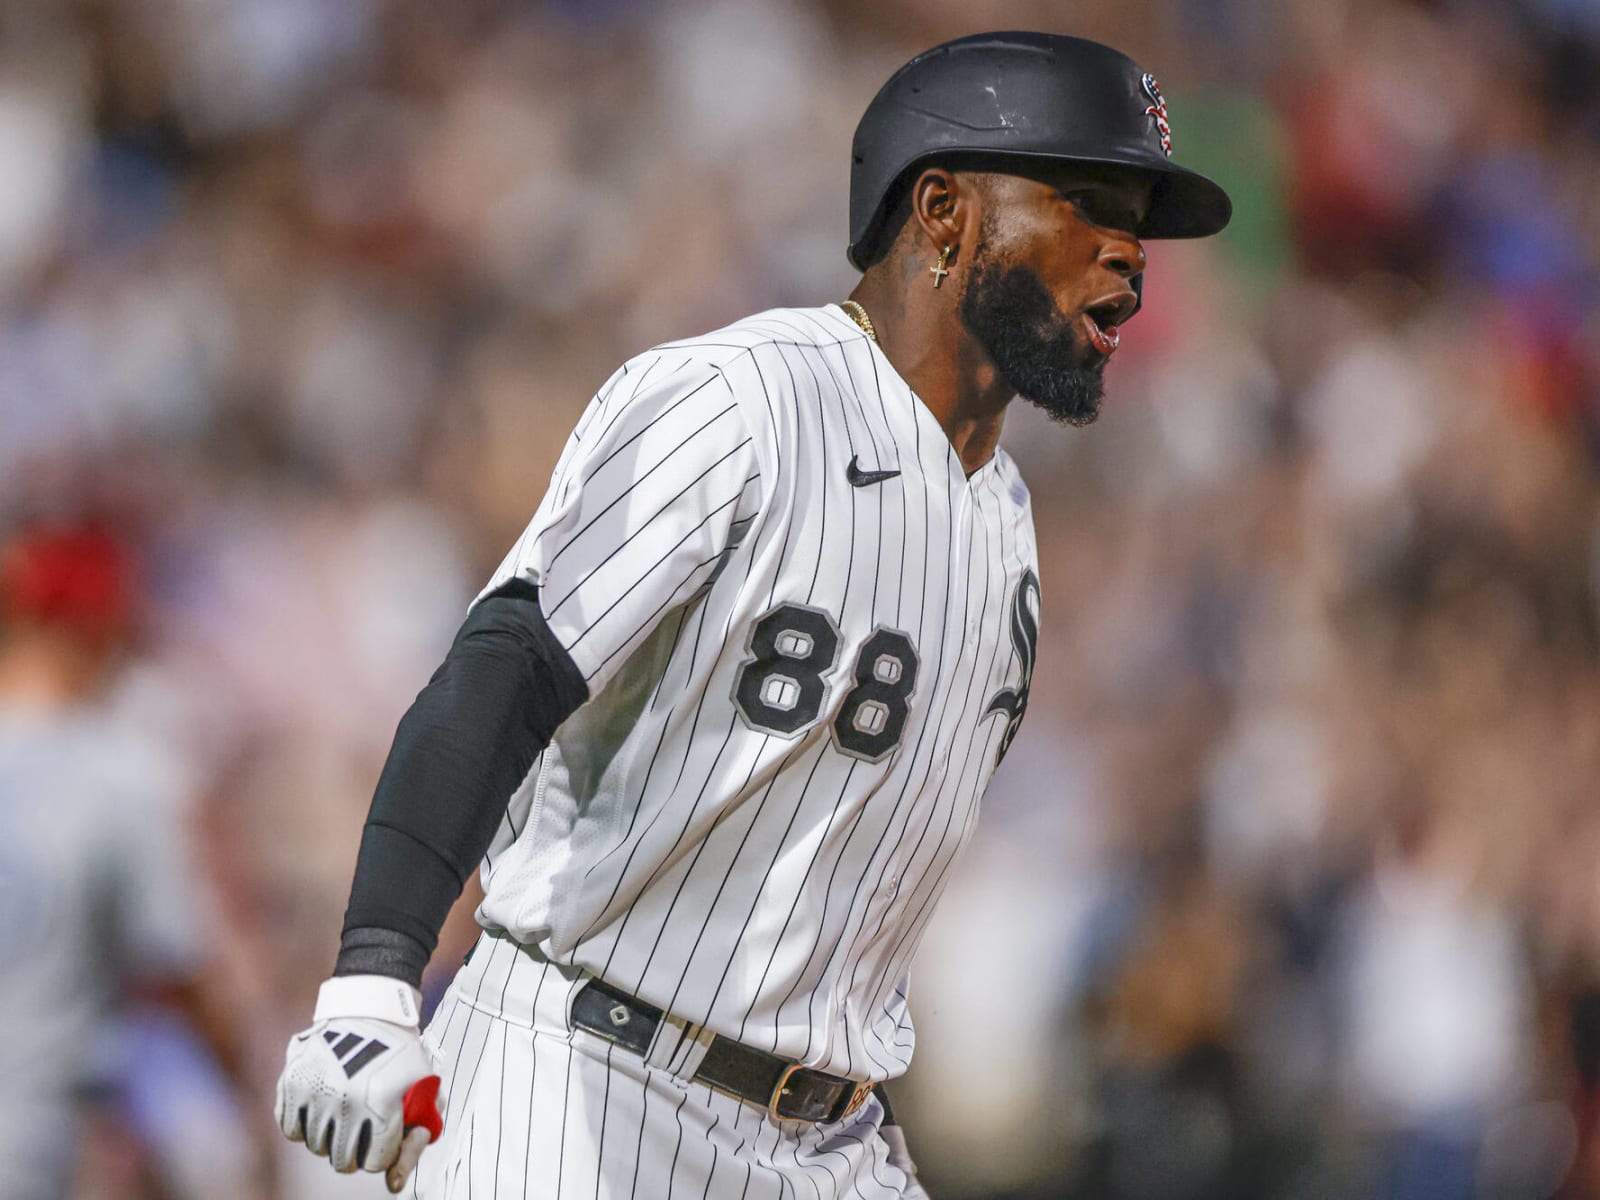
1122 254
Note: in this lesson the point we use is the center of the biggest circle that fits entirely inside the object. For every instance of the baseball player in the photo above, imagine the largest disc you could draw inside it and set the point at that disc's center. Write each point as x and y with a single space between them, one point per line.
718 727
97 882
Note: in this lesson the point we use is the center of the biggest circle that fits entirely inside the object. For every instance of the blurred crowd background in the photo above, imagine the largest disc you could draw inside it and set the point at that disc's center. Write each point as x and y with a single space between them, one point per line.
1291 885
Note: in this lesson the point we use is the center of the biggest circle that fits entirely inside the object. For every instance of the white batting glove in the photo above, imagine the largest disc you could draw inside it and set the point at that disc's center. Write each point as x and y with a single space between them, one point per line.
900 1157
359 1085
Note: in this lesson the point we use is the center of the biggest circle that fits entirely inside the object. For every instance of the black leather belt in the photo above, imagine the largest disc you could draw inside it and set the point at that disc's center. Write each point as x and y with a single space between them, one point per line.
787 1090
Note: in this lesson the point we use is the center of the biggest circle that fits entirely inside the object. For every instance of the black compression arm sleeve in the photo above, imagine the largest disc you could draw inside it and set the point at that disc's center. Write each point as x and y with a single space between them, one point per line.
461 750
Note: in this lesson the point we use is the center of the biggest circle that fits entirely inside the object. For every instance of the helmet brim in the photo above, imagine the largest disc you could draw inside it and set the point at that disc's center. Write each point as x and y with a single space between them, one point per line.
1183 203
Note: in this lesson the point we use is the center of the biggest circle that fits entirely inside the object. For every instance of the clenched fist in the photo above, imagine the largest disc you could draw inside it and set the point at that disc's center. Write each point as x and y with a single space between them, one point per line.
359 1086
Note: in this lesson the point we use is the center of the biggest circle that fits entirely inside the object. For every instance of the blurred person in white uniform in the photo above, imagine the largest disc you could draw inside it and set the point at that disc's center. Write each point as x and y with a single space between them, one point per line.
98 895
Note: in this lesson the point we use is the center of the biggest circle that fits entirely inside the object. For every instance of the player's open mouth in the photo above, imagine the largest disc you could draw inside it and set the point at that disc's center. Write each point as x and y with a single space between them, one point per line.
1103 335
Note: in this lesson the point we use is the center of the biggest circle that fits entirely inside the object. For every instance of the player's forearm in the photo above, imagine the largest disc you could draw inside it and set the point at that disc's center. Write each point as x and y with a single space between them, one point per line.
461 750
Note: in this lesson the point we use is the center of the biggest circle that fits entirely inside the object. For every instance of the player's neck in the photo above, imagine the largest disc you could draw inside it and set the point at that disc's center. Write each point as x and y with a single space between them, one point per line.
924 340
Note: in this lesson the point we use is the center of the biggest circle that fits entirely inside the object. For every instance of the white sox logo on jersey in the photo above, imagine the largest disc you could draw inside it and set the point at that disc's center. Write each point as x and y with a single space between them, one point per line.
1158 110
1025 640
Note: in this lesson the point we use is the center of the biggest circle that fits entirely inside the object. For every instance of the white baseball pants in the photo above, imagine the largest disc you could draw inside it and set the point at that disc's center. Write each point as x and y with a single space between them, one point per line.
538 1110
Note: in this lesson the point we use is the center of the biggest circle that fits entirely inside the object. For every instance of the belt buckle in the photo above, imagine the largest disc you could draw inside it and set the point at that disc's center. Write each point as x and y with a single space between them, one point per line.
858 1096
778 1090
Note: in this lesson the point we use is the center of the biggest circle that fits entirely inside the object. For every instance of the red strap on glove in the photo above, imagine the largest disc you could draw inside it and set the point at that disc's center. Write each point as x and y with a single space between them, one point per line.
421 1106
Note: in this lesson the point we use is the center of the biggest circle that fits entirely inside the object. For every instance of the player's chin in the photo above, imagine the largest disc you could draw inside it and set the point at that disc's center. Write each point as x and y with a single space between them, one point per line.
1069 394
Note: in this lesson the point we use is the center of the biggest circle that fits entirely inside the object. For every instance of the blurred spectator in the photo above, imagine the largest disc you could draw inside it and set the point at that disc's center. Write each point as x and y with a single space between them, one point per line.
1436 1014
100 903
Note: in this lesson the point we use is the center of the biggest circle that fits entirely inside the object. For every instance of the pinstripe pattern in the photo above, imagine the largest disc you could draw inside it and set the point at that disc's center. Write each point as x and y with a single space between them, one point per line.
538 1109
759 881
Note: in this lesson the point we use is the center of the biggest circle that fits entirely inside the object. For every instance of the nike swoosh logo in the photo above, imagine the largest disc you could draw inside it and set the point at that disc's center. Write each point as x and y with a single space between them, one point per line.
860 478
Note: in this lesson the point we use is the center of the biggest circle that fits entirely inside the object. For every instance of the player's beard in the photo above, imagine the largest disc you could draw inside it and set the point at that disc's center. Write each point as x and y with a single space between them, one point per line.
1037 348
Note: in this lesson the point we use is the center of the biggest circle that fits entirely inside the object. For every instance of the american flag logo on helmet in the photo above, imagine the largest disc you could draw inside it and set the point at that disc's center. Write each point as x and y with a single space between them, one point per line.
1158 110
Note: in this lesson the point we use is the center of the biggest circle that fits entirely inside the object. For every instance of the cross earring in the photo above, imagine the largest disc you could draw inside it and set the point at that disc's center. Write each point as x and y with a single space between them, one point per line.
938 270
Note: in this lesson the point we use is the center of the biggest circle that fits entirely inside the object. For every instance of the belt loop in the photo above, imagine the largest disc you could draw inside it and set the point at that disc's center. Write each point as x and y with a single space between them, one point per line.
693 1051
669 1035
678 1047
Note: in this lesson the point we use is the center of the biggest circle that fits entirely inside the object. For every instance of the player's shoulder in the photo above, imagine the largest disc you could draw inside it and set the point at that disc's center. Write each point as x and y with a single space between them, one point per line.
819 327
741 356
700 378
730 355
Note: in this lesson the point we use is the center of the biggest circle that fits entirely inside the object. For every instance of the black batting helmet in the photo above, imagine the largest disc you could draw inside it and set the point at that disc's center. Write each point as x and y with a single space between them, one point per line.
1022 96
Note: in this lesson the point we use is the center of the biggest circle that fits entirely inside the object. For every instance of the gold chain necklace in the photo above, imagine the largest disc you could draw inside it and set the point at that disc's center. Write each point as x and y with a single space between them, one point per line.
859 316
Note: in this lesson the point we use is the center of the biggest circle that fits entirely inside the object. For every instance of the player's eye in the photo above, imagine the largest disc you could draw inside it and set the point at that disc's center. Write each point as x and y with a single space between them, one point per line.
1089 206
1098 209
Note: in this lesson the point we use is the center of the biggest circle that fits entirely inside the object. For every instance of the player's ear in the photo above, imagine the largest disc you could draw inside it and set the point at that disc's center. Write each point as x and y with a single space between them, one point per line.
946 207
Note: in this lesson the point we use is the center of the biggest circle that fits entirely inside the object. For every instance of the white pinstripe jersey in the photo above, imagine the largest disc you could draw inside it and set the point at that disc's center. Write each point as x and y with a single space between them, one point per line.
808 638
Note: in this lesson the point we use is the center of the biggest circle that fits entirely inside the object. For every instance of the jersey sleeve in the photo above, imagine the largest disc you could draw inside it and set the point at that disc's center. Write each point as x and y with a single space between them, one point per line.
656 486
